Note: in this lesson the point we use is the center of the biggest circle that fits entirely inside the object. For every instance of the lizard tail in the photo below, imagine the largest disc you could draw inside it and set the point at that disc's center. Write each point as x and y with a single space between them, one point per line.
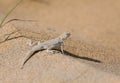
29 55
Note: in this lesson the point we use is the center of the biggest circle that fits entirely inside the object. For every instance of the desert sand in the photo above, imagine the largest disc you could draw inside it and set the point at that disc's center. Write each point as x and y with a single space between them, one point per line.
93 48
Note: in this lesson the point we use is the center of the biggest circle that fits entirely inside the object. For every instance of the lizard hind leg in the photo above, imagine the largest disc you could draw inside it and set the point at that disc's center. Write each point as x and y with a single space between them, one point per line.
31 43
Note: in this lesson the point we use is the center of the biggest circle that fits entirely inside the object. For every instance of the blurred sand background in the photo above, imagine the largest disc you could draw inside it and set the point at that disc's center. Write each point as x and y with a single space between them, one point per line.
95 23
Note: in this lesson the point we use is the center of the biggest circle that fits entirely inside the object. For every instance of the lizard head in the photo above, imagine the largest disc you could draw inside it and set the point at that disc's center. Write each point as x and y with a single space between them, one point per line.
65 35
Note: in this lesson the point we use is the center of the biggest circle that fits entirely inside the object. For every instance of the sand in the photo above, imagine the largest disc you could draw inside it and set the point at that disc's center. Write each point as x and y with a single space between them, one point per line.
94 26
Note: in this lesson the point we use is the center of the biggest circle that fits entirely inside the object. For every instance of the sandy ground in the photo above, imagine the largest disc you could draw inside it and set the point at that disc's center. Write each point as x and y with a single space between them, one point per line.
95 23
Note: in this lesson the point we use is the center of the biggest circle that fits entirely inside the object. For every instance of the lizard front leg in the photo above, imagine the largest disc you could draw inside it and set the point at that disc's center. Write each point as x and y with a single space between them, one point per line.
62 47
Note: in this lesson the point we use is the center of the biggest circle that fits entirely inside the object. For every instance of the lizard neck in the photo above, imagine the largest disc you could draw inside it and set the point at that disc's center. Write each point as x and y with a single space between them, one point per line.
60 38
64 36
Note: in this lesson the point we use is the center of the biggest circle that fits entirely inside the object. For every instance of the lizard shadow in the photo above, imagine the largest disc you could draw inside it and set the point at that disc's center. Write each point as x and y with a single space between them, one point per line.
72 55
65 52
42 1
80 57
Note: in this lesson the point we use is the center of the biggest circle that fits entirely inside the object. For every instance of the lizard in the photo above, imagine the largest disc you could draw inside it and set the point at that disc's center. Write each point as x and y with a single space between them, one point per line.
78 48
55 43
